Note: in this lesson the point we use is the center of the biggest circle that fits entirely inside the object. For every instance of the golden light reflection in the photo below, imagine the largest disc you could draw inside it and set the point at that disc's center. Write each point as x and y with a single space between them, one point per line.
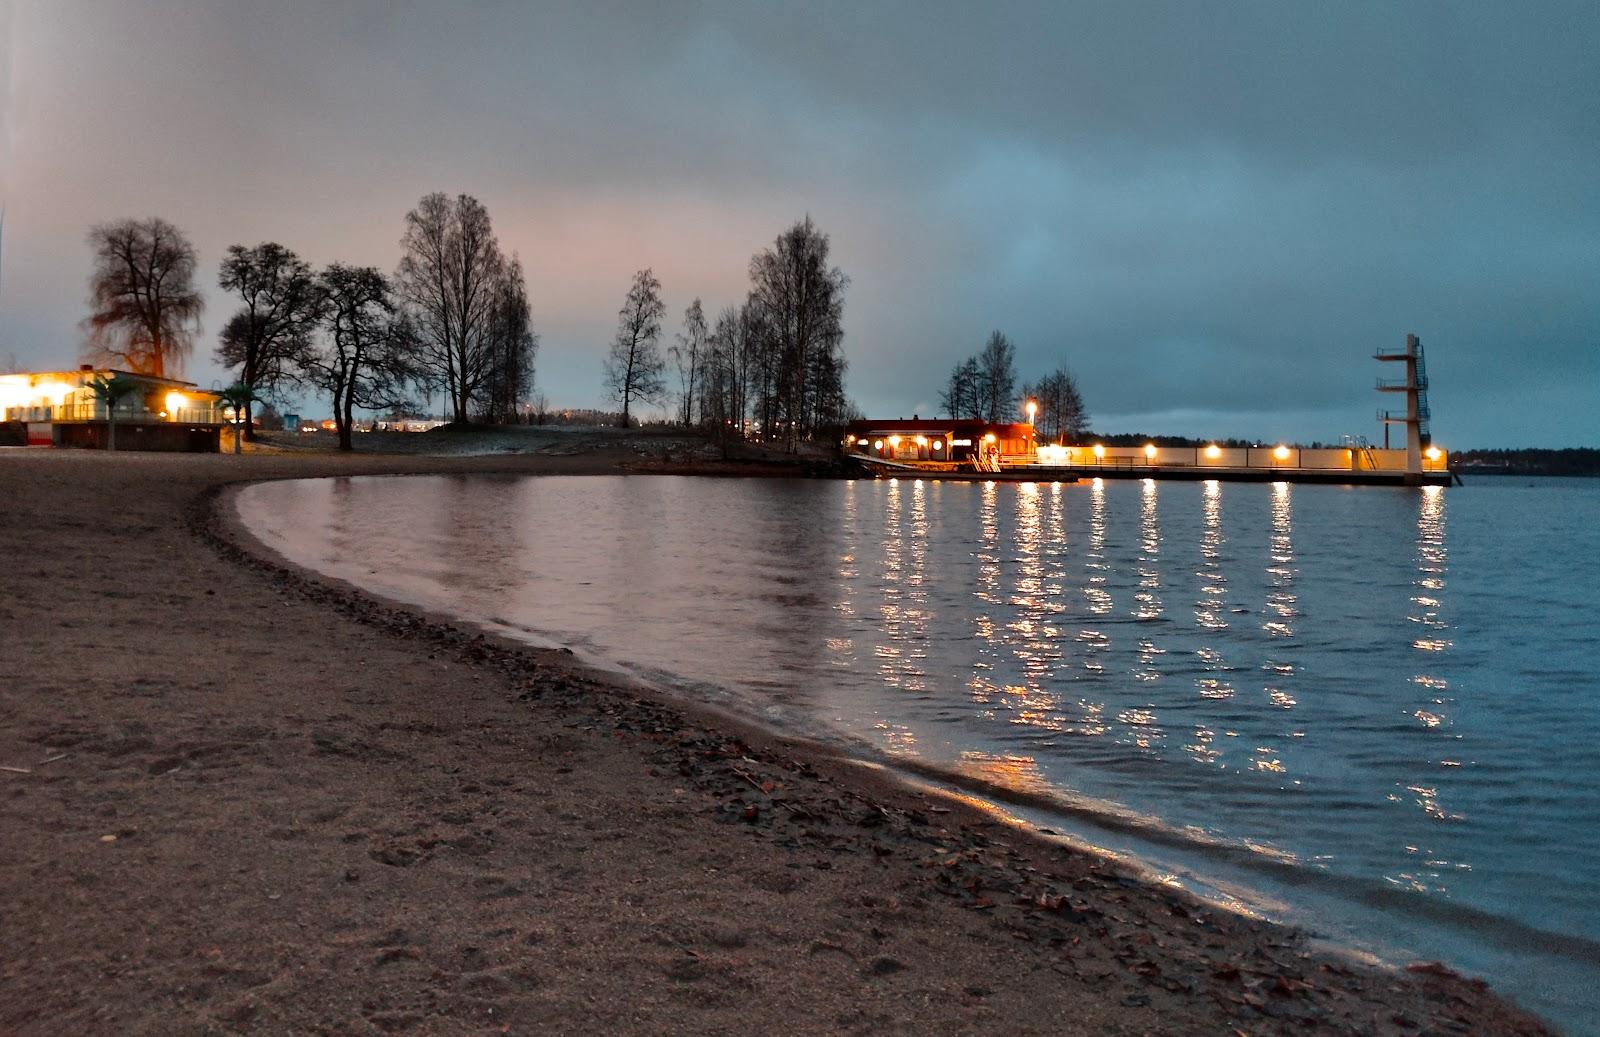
1007 771
1147 599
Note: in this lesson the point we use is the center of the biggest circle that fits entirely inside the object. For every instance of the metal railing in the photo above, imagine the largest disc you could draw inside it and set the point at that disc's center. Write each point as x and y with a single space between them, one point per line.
125 415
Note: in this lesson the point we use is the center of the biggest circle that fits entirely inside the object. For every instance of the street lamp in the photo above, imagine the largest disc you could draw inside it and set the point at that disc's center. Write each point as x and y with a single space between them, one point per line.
1032 408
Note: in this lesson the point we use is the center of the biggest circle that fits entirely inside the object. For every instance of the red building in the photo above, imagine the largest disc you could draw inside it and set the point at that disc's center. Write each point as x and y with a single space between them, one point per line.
934 441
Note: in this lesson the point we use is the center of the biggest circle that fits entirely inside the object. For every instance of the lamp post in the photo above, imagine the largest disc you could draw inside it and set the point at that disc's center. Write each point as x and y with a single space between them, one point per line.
1032 408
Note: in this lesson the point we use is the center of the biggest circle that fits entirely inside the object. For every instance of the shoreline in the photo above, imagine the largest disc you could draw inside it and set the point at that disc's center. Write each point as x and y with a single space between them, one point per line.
874 906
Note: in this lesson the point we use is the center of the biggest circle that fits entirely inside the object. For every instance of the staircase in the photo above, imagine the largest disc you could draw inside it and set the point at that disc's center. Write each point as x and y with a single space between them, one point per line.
1422 398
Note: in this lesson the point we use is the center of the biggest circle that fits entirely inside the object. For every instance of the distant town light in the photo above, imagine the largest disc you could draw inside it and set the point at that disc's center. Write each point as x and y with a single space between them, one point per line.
1213 451
1281 453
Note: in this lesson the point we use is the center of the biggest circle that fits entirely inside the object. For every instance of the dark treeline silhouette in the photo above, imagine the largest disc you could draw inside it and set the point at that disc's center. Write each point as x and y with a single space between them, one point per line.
1582 461
769 368
454 319
984 388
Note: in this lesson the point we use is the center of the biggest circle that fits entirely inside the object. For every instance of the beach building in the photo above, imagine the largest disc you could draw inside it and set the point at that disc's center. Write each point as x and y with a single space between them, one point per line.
941 442
59 409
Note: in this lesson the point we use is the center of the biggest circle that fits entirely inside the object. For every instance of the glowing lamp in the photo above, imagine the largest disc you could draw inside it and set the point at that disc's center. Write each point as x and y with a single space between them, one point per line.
1281 453
1032 409
175 402
894 441
1433 453
859 442
922 441
1150 450
1213 451
938 444
1099 450
877 444
988 437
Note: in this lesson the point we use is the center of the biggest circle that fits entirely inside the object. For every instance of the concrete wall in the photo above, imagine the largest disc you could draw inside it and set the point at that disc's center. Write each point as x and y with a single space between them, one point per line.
166 436
1332 459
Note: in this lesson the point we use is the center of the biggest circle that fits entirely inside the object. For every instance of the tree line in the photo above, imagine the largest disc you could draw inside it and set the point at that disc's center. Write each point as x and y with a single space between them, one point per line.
771 367
984 388
452 319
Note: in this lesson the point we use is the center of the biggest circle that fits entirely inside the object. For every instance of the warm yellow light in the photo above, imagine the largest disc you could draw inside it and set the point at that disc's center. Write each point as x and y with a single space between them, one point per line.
894 441
938 444
1281 453
1099 450
1033 408
1051 453
1433 453
922 441
1150 450
175 400
877 444
1213 451
859 442
988 437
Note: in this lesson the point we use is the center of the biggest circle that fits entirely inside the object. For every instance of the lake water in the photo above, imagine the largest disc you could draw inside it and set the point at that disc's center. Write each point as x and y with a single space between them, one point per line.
1372 711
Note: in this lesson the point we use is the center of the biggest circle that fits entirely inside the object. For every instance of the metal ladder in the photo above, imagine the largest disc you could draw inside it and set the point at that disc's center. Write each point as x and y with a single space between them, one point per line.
1423 414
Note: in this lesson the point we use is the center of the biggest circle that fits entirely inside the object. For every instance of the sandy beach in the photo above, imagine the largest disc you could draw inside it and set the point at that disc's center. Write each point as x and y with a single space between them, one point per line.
240 798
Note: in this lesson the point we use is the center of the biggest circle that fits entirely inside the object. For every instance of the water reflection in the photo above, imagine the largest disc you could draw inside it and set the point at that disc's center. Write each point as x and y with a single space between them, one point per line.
1025 634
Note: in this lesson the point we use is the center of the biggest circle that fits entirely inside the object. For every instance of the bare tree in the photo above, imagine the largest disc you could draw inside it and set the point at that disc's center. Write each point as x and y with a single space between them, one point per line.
281 307
997 378
801 299
962 395
689 355
1061 414
363 359
144 309
634 369
447 279
512 344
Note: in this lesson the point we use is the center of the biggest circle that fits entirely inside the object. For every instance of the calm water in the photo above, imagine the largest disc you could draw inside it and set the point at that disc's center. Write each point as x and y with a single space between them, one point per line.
1374 711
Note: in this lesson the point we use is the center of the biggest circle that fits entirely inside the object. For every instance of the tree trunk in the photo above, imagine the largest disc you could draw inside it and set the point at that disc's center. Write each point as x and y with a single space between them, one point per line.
249 420
344 420
111 429
238 437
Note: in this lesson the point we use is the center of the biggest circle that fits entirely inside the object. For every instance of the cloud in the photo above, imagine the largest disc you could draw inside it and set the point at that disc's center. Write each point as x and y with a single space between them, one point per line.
1213 214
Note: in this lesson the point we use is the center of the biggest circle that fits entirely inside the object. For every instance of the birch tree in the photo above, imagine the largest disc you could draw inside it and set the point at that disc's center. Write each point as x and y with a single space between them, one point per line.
634 368
446 282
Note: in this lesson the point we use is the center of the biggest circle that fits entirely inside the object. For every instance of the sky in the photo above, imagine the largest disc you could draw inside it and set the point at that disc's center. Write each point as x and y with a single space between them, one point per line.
1211 214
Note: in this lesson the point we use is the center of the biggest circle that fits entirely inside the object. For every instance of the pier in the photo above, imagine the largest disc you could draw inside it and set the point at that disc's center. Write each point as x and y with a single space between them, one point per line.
968 449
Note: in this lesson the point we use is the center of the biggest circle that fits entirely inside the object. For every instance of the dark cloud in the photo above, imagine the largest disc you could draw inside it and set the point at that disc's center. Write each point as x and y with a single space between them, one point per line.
1212 213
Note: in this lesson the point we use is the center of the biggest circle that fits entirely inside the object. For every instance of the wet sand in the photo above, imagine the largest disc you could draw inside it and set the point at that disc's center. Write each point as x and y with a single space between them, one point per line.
243 799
